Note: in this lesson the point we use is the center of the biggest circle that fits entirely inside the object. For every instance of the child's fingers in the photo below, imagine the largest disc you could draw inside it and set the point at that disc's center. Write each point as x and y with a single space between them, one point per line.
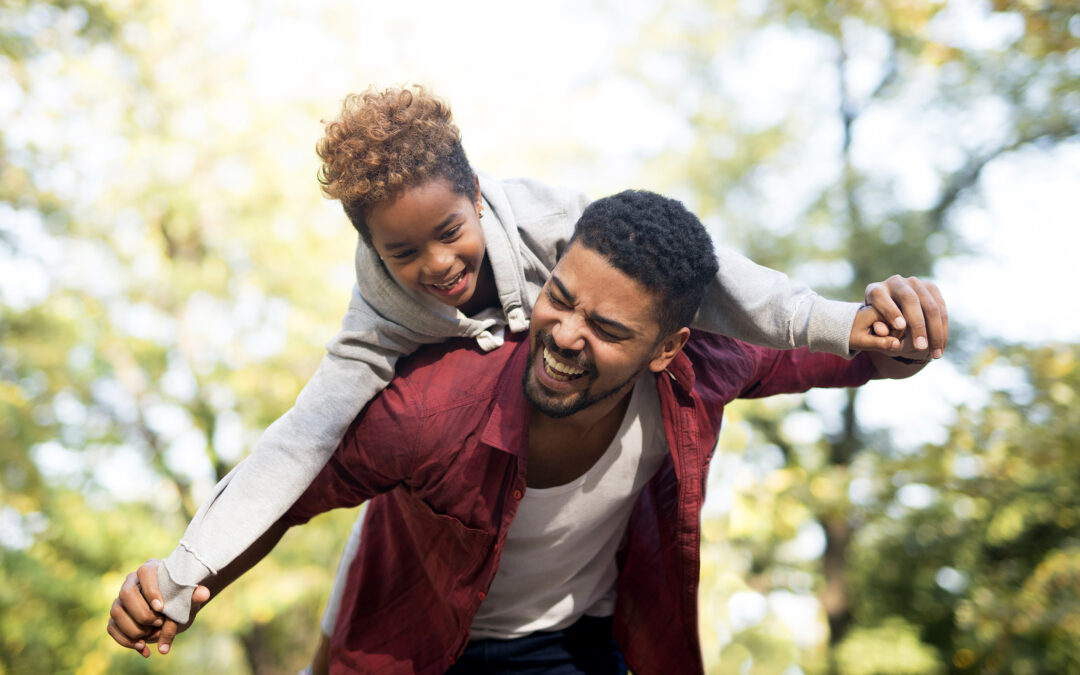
168 634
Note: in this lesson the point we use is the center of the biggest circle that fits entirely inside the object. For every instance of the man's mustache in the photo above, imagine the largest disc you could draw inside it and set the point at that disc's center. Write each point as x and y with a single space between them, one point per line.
576 359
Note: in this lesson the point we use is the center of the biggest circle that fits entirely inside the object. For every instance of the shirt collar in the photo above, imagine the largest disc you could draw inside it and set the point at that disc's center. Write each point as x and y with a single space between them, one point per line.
508 427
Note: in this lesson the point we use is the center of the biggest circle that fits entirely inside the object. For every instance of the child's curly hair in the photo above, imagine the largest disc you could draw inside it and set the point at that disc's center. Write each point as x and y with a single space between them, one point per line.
386 141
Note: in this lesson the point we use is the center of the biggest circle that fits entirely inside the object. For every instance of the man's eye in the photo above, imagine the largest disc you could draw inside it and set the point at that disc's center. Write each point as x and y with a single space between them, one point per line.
604 335
557 302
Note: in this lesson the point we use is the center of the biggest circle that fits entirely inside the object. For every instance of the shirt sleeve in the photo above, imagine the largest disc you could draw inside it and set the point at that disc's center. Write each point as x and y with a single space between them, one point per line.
794 371
376 455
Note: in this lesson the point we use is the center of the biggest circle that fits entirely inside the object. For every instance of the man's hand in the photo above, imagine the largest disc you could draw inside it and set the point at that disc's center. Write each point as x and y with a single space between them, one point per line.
135 618
900 308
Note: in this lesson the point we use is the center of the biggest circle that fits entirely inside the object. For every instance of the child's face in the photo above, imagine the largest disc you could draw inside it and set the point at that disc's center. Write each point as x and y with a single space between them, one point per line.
430 240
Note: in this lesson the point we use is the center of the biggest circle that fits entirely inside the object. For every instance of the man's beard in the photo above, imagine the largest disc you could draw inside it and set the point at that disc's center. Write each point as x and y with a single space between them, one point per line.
557 407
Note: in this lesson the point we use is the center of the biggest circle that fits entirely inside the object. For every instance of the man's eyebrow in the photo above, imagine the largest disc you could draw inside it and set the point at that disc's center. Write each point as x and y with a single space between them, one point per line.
446 221
562 289
595 318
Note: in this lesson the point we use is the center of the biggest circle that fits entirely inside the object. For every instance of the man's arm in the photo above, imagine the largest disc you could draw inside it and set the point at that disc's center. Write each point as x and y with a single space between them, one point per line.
778 372
374 457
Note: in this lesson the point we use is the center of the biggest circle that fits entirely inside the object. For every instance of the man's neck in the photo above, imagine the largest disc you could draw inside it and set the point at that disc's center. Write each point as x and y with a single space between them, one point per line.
562 449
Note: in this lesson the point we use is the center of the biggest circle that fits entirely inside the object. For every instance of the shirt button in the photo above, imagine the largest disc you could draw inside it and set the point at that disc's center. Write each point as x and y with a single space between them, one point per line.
517 494
481 595
451 660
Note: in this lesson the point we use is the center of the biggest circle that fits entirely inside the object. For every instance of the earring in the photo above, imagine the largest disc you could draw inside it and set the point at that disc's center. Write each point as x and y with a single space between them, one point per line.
479 210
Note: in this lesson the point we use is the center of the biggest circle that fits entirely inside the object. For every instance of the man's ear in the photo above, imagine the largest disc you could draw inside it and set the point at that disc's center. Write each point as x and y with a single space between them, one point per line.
668 348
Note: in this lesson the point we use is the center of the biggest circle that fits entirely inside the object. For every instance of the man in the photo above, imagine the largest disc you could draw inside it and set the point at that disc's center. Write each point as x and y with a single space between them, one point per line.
538 507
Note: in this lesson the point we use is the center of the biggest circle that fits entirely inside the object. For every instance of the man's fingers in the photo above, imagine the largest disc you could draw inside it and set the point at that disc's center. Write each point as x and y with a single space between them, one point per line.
944 313
116 634
879 297
910 303
125 624
934 329
134 603
148 580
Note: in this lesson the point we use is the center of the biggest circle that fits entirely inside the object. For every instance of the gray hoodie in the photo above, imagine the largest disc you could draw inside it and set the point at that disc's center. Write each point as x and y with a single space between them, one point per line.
527 226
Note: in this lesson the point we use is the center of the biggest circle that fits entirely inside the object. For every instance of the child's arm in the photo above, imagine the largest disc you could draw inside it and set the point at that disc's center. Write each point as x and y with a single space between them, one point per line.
745 300
359 363
764 307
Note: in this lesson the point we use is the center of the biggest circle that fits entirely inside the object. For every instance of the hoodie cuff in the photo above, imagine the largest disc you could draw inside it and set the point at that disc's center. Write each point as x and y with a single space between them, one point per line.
828 326
178 575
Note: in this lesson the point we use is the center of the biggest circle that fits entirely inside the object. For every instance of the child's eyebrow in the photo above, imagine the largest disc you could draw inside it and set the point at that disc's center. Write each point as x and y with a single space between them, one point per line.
446 222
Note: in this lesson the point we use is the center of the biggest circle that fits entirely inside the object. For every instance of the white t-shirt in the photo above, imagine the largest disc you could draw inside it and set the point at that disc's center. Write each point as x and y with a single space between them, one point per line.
558 562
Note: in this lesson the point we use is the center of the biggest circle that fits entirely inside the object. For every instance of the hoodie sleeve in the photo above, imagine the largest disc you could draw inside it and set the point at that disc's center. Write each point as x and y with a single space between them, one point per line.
745 301
764 307
359 363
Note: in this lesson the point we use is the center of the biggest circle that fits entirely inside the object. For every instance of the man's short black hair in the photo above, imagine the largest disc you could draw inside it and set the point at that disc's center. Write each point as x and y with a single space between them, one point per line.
657 242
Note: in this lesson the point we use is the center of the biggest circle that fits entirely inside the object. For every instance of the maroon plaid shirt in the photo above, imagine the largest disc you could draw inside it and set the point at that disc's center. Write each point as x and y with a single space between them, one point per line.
441 455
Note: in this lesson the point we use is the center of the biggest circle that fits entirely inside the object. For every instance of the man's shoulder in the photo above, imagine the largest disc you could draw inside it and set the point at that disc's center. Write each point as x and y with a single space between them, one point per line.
721 363
451 374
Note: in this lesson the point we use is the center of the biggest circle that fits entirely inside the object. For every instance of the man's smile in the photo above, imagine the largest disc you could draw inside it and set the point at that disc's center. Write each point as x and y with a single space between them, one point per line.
558 370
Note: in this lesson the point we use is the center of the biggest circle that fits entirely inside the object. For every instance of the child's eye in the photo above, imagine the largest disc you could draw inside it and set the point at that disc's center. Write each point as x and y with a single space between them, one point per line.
402 256
451 234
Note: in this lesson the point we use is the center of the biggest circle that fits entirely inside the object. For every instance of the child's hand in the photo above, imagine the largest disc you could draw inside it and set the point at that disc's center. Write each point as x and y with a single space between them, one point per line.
135 618
897 306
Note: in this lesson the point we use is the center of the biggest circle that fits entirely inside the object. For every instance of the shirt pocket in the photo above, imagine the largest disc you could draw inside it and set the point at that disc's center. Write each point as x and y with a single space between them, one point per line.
447 544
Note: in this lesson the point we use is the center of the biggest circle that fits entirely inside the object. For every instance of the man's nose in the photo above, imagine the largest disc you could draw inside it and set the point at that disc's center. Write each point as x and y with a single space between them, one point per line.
568 333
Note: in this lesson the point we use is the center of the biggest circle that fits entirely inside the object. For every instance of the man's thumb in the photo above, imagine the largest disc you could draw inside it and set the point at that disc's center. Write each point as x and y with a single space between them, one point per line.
199 598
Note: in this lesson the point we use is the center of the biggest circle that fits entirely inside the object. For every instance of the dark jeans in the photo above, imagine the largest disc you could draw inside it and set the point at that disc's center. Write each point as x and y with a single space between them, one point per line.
584 648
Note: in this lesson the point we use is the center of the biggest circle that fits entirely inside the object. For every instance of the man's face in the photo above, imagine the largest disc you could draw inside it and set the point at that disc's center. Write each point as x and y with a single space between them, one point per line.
593 331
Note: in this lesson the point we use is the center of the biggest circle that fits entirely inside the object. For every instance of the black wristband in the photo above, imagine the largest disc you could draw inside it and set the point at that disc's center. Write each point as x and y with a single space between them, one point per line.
910 362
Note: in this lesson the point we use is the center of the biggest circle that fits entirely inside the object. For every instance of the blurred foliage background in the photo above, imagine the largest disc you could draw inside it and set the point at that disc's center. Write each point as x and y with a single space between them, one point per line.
169 273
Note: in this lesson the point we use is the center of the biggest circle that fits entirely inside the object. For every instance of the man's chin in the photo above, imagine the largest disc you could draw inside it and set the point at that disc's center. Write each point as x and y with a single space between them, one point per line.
552 406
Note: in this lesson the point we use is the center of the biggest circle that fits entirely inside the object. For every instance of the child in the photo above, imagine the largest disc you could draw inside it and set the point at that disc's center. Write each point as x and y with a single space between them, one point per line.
445 253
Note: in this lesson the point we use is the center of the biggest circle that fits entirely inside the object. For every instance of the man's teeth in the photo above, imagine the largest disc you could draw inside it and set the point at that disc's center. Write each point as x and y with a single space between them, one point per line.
560 371
450 284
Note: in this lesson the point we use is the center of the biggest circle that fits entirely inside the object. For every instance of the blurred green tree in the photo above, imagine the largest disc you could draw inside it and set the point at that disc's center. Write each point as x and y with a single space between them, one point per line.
837 140
987 563
157 324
